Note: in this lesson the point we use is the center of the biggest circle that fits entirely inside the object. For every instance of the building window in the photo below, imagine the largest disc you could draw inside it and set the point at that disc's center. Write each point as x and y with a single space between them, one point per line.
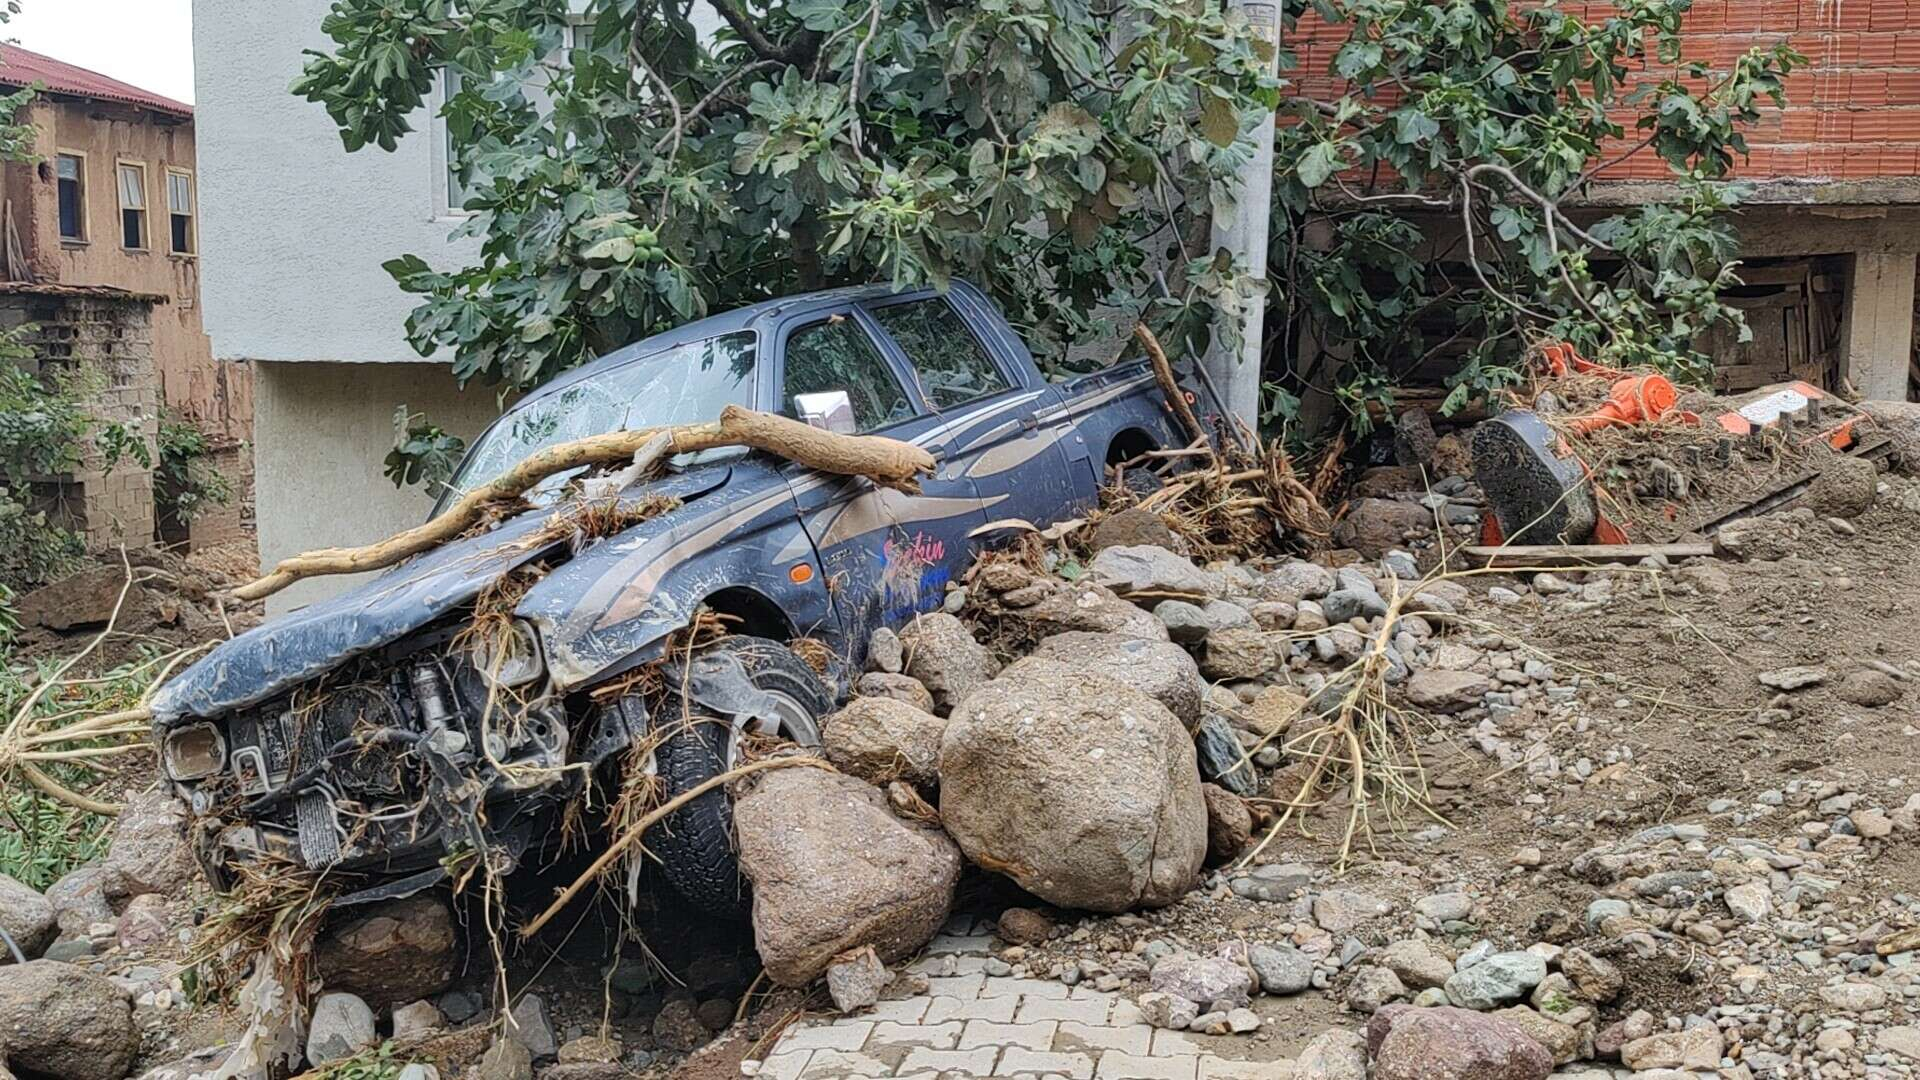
133 206
451 85
70 175
180 210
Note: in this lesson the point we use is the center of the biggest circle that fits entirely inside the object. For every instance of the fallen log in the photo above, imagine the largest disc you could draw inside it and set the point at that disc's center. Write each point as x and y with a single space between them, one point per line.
887 462
1575 555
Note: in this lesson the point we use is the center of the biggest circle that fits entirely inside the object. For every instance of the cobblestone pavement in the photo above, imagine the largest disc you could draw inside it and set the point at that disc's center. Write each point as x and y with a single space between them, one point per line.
972 1024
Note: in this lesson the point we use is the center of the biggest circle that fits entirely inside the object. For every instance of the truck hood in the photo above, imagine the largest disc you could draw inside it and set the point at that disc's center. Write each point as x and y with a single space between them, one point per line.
284 652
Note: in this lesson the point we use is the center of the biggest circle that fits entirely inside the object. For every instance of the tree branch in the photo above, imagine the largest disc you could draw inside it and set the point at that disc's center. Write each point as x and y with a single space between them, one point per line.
799 52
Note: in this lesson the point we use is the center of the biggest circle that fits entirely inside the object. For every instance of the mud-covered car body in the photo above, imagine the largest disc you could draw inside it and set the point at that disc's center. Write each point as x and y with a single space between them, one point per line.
349 733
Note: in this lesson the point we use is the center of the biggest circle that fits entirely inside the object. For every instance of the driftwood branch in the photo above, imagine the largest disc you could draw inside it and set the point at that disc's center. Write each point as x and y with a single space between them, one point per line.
1163 374
887 462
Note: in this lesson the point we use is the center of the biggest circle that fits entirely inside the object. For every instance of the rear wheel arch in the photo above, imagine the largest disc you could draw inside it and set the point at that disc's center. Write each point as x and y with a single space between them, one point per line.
1130 443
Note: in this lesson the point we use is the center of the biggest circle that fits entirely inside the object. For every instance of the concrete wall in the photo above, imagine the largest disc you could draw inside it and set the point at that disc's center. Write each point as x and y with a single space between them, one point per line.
323 430
295 228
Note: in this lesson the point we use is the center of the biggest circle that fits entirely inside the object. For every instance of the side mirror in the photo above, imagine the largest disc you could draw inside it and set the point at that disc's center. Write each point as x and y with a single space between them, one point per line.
829 410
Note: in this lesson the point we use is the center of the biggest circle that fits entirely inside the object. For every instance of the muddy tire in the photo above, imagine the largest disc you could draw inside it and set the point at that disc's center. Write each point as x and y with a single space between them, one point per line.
1140 481
695 843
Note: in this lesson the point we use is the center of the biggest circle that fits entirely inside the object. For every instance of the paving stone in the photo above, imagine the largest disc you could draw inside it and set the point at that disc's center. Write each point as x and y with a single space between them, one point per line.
968 944
786 1065
911 1010
980 1033
964 987
1174 1044
1017 1061
1086 1011
998 1010
965 1062
836 1064
933 1036
1132 1038
1218 1068
1026 988
845 1035
1115 1065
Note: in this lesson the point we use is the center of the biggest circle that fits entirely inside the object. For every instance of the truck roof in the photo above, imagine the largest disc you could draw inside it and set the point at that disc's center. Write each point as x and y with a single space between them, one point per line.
744 318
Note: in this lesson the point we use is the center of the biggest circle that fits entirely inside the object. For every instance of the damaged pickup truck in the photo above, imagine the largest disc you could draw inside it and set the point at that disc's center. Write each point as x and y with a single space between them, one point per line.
374 736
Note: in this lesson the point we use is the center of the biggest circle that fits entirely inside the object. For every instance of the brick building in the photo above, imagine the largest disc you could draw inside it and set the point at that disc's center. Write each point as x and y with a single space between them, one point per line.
101 248
1830 234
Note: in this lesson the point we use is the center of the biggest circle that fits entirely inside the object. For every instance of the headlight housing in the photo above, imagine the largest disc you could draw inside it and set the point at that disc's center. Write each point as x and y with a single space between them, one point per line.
511 659
194 752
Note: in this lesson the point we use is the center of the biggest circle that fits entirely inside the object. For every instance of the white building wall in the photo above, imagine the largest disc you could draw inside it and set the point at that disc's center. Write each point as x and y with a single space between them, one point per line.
294 228
293 231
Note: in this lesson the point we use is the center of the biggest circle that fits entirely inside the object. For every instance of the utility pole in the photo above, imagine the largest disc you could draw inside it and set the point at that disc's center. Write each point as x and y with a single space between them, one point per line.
1244 234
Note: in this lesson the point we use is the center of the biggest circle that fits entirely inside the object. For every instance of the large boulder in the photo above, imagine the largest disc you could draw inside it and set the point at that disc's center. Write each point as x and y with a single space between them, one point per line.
1143 568
1132 527
1845 488
1082 605
1079 787
1446 691
1159 669
391 953
942 654
1445 1043
65 1022
1899 421
342 1026
1229 824
1374 527
879 739
148 852
26 916
87 597
833 870
80 899
902 688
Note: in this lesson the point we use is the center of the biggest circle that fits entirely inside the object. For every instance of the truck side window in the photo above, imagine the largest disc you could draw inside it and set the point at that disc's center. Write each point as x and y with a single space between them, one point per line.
838 355
953 367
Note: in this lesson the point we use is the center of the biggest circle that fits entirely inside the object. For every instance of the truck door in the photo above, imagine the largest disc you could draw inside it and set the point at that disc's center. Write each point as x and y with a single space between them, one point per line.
991 399
887 555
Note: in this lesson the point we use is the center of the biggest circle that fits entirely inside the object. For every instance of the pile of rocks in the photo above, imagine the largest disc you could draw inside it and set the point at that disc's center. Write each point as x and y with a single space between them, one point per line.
94 988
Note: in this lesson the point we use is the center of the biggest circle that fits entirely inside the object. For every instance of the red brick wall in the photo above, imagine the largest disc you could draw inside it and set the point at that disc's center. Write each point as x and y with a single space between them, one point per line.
1852 113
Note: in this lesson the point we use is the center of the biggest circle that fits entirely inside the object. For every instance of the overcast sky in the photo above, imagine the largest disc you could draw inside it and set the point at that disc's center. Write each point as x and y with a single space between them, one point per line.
148 43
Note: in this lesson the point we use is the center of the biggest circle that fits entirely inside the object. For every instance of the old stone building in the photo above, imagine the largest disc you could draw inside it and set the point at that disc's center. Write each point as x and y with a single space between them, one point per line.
102 250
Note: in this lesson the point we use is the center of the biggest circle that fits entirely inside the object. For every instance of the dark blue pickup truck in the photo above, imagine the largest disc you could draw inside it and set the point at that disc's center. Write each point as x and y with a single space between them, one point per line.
359 736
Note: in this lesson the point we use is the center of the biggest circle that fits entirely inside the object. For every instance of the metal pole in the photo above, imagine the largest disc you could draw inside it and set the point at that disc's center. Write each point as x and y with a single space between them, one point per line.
1244 234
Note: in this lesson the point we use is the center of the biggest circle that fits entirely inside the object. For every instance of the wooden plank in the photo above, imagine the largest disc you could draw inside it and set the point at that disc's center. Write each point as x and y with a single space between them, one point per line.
1517 555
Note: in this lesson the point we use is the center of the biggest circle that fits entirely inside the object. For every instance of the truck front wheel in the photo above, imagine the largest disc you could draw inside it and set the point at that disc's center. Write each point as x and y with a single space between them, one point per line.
695 843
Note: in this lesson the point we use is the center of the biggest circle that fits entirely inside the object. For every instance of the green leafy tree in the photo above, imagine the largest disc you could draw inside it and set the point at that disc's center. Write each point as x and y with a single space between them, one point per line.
627 172
1432 208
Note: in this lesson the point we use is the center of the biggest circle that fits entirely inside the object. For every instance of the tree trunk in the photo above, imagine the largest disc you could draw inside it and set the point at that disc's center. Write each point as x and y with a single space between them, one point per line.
888 462
806 251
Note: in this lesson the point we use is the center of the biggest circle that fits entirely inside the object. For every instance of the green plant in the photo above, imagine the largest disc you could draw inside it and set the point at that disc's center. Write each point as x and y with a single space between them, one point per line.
1056 151
42 429
423 452
1425 213
188 483
378 1063
42 838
